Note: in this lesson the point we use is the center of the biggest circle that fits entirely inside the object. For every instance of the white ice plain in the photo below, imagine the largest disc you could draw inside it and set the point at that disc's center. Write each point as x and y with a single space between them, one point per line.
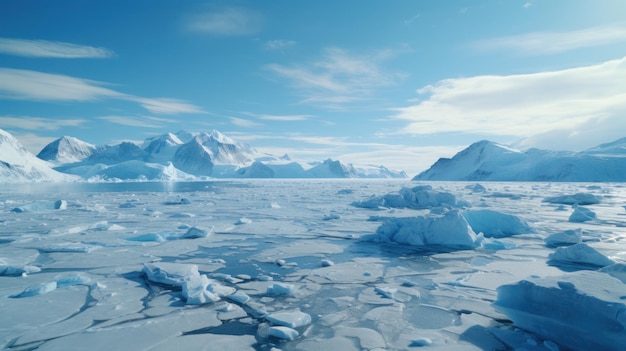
312 265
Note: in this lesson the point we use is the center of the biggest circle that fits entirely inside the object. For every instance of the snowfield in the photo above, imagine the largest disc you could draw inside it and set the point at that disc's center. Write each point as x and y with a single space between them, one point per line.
313 265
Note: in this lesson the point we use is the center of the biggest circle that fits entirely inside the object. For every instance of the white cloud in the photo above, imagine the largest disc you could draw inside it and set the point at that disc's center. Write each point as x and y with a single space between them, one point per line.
528 5
278 44
32 85
241 122
279 118
144 122
229 21
39 123
167 106
520 105
52 49
542 43
338 77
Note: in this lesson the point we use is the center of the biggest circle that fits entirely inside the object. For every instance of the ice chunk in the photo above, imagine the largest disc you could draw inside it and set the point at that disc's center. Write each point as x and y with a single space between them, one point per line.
281 289
576 199
38 289
582 310
450 230
239 297
420 342
195 291
73 279
327 263
42 206
243 220
196 233
283 333
291 319
565 238
579 254
582 214
60 205
170 273
617 270
386 292
419 197
17 270
496 224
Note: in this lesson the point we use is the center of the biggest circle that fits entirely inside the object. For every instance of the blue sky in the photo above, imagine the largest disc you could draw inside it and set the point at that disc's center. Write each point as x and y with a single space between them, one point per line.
399 83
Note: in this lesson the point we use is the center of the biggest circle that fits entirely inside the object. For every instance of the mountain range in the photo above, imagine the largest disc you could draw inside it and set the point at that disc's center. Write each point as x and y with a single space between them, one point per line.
188 156
170 157
489 161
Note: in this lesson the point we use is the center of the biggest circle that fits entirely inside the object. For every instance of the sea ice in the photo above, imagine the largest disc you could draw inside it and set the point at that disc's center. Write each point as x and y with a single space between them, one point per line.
582 214
496 224
579 254
616 270
291 319
281 289
565 238
575 199
583 310
450 230
38 289
419 197
196 233
284 333
170 273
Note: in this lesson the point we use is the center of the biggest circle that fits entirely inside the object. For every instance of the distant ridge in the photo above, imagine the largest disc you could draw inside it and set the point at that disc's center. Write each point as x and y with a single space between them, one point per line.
489 161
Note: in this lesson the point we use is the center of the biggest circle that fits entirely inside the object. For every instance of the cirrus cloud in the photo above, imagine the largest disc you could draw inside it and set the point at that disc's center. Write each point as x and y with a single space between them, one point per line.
228 21
541 43
50 49
21 84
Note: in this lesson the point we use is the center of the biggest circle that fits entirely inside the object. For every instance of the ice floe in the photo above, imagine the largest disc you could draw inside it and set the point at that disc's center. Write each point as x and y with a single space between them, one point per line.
582 310
419 197
579 254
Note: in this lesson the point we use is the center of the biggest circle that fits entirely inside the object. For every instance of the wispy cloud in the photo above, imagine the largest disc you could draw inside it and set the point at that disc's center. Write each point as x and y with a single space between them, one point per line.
519 105
51 49
32 85
143 122
228 21
166 106
543 43
242 122
528 4
278 44
338 77
280 118
39 123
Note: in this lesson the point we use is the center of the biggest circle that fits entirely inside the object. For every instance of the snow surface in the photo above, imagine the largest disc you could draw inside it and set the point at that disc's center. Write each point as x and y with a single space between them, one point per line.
294 265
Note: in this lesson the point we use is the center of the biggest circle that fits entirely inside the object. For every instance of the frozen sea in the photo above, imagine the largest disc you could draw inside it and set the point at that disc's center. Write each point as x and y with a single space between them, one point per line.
283 265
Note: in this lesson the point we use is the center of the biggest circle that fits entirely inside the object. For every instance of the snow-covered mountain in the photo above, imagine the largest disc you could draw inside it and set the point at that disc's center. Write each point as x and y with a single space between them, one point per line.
18 165
489 161
185 155
66 149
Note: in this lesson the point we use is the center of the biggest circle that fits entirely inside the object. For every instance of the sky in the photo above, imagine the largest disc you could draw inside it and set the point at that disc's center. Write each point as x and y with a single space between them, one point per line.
397 83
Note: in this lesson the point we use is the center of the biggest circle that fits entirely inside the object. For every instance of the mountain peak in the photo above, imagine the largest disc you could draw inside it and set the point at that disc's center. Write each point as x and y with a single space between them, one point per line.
66 149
